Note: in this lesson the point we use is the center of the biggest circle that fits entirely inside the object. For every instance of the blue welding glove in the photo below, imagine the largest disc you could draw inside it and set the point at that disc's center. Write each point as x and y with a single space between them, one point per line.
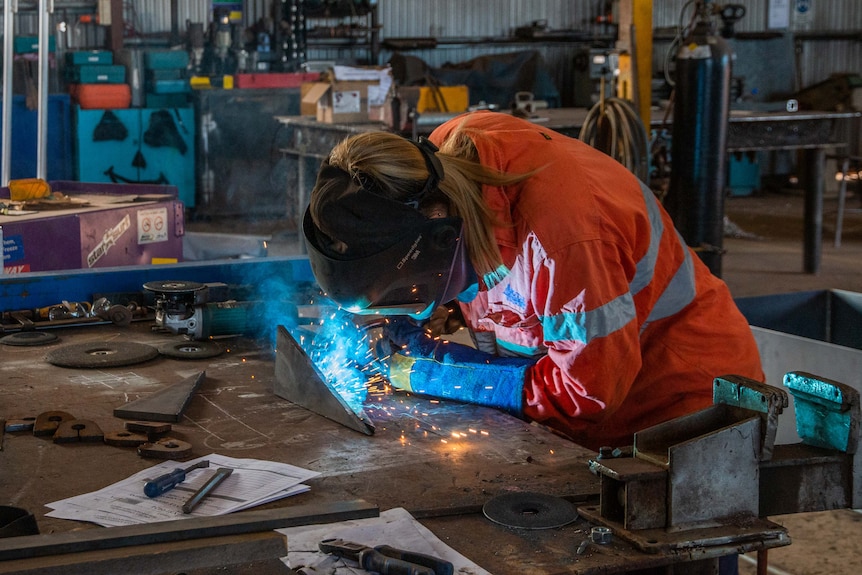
429 366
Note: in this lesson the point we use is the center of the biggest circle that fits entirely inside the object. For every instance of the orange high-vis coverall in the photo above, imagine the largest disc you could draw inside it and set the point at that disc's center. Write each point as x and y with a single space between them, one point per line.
629 326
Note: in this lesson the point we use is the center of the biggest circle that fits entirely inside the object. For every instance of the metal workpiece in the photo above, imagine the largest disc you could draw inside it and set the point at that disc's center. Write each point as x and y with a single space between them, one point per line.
299 380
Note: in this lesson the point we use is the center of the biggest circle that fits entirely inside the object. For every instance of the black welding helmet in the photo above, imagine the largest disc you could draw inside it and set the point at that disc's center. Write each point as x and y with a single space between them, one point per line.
375 255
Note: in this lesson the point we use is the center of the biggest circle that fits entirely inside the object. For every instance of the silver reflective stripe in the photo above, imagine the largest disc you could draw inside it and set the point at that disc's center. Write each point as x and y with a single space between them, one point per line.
646 266
585 326
679 292
616 314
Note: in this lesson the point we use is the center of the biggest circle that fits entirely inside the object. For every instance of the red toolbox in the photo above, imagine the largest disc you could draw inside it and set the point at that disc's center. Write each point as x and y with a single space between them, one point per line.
275 80
101 96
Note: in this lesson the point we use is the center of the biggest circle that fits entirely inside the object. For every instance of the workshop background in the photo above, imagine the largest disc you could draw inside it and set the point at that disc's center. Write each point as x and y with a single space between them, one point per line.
198 84
776 59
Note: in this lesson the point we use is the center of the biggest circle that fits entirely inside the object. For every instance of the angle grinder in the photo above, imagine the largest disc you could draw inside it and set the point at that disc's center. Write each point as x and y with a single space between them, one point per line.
183 307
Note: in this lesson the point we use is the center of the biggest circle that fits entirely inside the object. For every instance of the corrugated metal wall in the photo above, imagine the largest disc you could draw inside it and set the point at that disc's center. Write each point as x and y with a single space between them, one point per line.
818 57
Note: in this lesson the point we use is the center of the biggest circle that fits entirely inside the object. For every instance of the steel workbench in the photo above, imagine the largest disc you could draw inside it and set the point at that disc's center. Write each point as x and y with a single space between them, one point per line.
440 461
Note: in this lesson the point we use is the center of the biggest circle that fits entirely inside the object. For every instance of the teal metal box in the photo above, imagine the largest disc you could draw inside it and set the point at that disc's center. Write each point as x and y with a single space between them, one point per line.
89 57
30 44
166 59
743 174
97 74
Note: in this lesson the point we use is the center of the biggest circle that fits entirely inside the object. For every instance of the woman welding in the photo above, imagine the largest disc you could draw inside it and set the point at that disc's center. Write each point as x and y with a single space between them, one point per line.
588 312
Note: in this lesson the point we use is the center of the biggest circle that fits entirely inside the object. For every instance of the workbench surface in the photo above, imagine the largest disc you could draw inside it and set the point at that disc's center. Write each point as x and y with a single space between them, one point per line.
440 461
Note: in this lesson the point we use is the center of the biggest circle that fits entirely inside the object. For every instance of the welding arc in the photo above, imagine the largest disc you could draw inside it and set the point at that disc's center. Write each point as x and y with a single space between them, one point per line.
101 354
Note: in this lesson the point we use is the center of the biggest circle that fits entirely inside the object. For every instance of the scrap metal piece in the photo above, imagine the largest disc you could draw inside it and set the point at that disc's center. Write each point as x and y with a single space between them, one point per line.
78 431
166 448
48 422
20 424
125 439
298 380
191 349
151 428
101 354
166 405
29 338
527 510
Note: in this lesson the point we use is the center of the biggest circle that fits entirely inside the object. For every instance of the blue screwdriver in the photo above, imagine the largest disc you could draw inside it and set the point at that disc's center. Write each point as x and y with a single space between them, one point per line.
168 481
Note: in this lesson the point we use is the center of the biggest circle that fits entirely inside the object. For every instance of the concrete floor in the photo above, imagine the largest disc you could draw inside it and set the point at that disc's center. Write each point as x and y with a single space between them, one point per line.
772 261
765 258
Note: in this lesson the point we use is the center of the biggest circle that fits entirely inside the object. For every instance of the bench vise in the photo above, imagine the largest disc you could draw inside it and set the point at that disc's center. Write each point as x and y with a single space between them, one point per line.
707 481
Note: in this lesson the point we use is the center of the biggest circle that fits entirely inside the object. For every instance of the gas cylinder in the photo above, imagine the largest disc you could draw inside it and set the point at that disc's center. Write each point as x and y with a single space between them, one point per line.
701 110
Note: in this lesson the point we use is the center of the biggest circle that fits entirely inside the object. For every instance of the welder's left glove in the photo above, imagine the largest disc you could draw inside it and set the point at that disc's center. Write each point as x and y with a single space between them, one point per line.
429 366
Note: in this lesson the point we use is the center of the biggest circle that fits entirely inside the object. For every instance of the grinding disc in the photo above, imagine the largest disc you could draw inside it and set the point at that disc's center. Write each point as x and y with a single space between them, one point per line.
530 510
173 286
28 338
101 354
191 349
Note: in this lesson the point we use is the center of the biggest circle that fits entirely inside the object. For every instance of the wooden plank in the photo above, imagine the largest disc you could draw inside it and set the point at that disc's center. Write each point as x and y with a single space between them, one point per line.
157 558
184 529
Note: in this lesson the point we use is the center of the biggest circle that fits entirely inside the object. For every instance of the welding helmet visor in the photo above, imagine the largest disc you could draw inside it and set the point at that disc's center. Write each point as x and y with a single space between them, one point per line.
422 268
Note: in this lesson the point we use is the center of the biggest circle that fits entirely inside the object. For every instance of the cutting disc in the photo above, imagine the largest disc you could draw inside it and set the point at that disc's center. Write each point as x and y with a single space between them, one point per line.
173 286
101 354
191 349
530 510
29 338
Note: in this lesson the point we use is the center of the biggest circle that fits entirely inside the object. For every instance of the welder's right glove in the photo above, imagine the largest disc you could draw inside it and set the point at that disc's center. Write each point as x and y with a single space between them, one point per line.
429 366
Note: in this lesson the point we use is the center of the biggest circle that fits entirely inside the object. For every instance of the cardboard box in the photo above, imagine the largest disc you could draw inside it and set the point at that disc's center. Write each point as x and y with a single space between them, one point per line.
339 102
351 95
121 225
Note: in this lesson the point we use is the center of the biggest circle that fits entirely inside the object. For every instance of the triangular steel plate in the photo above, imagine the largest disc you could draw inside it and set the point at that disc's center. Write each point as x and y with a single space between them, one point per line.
298 380
166 405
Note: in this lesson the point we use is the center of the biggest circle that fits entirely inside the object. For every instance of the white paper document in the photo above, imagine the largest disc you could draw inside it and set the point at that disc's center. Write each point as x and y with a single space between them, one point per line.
252 482
395 527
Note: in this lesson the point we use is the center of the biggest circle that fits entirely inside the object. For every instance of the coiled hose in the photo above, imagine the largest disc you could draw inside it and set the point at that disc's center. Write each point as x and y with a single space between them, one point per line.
613 127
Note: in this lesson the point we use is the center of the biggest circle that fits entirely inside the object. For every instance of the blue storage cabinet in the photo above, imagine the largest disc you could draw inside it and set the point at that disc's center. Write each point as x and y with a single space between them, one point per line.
137 145
58 147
